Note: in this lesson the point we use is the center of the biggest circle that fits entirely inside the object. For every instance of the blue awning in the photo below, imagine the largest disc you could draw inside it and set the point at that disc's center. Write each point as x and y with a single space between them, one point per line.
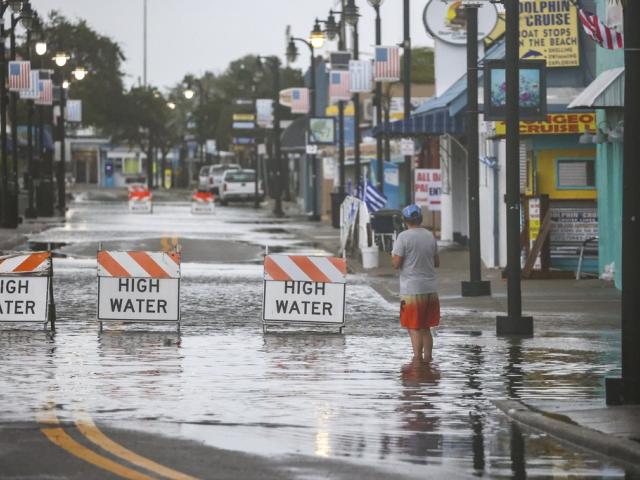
431 123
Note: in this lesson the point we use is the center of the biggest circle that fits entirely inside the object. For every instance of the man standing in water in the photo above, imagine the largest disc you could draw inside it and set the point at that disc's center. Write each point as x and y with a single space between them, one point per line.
415 254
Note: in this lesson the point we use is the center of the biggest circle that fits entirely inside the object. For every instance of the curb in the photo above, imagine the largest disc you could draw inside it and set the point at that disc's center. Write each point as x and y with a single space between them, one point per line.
623 450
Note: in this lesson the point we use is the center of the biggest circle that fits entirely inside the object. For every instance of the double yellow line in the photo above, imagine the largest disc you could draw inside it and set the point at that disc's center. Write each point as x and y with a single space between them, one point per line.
85 424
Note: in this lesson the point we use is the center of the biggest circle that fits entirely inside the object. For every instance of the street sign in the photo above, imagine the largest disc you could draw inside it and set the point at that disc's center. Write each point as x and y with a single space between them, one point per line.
138 286
244 117
244 125
306 290
312 149
25 281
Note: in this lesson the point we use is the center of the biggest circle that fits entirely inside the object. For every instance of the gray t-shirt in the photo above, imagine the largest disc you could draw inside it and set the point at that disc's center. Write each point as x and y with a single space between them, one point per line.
418 248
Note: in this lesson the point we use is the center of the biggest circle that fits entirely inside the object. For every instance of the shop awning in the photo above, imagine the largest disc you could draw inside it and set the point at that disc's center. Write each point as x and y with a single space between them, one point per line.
607 90
432 123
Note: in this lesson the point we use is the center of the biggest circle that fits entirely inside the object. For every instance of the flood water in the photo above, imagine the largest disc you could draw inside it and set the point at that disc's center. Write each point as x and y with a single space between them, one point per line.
356 397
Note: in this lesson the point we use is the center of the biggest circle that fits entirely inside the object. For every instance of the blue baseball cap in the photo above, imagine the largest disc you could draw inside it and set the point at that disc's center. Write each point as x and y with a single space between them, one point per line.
412 212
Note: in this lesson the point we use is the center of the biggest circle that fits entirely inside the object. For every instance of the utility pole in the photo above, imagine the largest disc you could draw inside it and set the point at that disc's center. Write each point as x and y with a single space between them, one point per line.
475 287
144 44
626 390
407 90
514 323
378 104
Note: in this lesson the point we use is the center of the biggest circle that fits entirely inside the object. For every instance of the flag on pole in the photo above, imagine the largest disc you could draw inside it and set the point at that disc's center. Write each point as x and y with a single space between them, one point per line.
339 85
371 197
300 100
73 111
19 75
45 92
32 92
386 65
603 35
361 76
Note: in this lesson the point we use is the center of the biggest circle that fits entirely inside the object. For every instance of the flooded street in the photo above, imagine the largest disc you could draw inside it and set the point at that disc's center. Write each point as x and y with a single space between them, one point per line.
355 397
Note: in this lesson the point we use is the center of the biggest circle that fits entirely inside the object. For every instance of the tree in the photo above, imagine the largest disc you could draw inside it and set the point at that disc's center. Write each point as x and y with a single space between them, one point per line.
102 91
422 65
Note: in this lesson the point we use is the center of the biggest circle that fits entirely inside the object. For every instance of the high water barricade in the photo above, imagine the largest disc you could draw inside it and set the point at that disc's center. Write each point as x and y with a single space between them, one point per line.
140 199
304 290
202 203
138 287
26 289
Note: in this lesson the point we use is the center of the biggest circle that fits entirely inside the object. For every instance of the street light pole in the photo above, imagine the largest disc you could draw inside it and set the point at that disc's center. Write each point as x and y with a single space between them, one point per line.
407 88
626 390
378 102
475 287
3 130
31 209
514 323
62 188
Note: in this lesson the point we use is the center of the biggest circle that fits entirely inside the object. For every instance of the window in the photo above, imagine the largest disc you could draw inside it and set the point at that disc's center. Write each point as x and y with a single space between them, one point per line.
579 174
241 176
131 166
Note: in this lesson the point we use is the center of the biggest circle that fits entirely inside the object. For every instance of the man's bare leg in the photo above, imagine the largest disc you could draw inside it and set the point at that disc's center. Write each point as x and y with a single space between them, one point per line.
416 342
427 343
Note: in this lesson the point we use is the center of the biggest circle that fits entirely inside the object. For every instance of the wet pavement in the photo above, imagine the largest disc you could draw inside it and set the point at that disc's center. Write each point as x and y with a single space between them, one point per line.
294 394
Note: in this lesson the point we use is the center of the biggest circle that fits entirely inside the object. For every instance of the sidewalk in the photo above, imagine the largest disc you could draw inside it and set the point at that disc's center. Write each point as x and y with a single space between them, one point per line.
16 239
613 432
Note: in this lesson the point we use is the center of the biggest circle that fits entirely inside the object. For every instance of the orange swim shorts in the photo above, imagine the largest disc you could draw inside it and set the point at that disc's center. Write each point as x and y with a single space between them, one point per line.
419 311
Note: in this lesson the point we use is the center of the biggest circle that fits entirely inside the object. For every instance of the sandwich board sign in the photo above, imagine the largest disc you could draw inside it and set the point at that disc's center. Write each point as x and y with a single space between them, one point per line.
26 288
138 287
140 199
306 290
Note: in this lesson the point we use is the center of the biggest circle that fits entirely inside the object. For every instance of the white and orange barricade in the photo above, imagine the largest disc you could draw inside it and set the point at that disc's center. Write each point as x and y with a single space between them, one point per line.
140 199
202 203
26 291
303 289
138 286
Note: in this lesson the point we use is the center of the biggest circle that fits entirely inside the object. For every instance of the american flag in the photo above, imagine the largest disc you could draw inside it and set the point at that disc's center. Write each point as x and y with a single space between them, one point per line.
603 35
300 100
32 92
386 67
361 75
339 85
73 111
19 75
45 92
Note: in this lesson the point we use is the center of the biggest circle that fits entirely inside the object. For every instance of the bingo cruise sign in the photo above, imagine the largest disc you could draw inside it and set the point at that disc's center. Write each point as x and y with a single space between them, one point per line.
304 290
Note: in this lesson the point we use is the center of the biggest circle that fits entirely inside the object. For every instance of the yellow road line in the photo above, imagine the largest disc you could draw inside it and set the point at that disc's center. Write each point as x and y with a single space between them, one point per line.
64 441
90 430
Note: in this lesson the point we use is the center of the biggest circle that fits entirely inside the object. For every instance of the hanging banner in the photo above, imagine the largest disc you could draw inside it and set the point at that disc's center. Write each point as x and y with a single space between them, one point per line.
264 112
549 31
361 76
73 111
32 93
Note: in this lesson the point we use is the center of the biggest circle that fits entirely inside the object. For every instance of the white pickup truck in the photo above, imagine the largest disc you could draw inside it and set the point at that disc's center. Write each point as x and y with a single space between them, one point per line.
239 185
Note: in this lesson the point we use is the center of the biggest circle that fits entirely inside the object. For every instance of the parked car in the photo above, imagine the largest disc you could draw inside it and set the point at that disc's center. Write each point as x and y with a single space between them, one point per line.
211 176
239 185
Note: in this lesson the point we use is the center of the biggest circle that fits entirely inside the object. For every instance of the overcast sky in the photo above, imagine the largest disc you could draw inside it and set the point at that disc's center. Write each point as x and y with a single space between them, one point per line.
192 36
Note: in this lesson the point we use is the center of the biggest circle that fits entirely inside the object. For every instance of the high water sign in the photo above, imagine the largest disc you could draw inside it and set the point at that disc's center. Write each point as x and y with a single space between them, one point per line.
24 287
138 286
304 289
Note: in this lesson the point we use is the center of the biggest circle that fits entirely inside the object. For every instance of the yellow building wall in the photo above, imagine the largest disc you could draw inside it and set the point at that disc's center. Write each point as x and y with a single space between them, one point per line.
546 172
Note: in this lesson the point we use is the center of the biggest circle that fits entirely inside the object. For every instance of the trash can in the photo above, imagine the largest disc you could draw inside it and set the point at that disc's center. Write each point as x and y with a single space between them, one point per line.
45 199
369 257
336 201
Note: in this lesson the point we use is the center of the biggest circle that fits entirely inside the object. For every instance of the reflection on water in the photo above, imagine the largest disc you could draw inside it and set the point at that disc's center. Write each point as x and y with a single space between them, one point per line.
349 396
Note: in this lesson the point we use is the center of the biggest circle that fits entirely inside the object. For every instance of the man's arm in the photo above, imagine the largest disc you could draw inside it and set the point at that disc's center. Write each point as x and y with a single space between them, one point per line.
396 261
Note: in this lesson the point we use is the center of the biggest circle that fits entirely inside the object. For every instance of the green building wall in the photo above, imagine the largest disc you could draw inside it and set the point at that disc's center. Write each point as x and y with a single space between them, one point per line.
609 172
